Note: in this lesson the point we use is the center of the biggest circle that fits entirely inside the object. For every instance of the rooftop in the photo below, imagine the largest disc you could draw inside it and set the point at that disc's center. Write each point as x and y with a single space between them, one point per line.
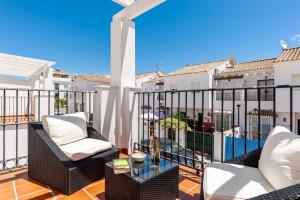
105 79
95 78
291 54
145 74
197 68
251 66
59 73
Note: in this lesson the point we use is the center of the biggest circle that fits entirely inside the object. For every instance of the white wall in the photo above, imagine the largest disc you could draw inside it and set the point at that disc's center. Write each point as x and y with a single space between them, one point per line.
189 82
79 84
287 73
117 124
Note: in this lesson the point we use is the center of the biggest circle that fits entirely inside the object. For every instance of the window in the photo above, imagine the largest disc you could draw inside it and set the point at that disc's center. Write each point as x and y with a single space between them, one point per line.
56 86
265 126
228 95
266 94
226 122
161 96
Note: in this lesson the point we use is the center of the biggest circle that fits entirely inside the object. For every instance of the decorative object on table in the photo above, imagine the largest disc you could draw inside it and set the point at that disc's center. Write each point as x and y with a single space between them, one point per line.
137 165
121 166
138 157
155 149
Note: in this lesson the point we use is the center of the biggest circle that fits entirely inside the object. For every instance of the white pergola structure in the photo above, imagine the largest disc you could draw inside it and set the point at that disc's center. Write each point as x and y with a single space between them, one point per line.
123 40
18 70
116 114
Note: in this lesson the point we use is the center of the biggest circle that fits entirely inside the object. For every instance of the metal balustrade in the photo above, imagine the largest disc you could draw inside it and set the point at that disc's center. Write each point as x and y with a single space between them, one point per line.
193 112
18 107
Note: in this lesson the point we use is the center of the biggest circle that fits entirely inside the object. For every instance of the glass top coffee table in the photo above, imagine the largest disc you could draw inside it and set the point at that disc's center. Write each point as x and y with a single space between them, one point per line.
145 181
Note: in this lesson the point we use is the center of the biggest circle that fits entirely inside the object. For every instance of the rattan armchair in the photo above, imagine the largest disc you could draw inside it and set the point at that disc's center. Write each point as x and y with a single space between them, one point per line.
50 166
251 160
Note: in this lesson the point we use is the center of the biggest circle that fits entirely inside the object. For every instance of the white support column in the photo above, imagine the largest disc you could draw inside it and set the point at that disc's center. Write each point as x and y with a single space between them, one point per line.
122 53
115 114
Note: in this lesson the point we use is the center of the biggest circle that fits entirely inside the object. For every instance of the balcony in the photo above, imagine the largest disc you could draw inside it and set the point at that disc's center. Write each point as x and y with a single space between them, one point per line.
189 126
15 184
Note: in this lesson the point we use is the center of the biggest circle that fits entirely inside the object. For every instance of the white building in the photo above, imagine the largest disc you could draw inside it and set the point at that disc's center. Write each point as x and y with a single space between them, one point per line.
192 77
241 75
147 76
287 72
61 81
281 70
89 82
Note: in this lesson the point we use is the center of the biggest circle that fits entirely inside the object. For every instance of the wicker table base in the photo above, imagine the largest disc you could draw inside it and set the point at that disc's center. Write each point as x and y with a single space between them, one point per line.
143 184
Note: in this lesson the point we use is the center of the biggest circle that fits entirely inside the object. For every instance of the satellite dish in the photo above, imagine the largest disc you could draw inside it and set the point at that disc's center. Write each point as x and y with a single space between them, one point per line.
283 44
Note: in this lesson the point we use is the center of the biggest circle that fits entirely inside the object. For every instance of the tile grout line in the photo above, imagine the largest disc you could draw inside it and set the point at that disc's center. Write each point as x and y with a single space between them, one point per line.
187 190
93 184
88 194
191 189
183 190
51 192
32 192
14 187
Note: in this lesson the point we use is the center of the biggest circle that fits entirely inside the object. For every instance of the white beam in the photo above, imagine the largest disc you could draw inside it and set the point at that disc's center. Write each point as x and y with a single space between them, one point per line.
124 3
137 8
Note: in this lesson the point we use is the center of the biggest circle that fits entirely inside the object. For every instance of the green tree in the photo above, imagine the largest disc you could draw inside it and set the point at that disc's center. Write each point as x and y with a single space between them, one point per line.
166 123
63 102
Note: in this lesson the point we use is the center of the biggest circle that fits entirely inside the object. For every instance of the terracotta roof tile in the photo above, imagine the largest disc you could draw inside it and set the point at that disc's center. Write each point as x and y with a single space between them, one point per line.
250 66
157 79
291 54
95 78
142 75
60 73
197 68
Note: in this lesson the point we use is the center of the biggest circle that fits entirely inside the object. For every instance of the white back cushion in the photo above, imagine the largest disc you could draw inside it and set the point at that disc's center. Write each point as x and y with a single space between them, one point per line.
280 158
65 129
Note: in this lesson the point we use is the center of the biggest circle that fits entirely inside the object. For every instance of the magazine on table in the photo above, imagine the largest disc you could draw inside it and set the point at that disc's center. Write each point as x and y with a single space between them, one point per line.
121 166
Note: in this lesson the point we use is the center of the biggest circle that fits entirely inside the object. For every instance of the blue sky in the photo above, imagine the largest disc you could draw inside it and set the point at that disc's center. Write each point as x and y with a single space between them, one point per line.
76 33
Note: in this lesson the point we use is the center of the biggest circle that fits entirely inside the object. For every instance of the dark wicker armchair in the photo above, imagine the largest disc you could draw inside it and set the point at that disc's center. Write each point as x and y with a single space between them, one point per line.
251 160
49 165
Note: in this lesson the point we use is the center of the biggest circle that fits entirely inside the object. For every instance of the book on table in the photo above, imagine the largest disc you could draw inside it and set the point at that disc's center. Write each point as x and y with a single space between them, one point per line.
121 166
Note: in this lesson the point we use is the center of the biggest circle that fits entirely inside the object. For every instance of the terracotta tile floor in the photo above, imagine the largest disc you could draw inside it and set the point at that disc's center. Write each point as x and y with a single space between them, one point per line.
15 184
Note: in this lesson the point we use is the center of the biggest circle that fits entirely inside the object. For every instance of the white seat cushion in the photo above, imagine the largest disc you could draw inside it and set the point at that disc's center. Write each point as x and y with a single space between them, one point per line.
65 129
229 181
280 158
84 148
